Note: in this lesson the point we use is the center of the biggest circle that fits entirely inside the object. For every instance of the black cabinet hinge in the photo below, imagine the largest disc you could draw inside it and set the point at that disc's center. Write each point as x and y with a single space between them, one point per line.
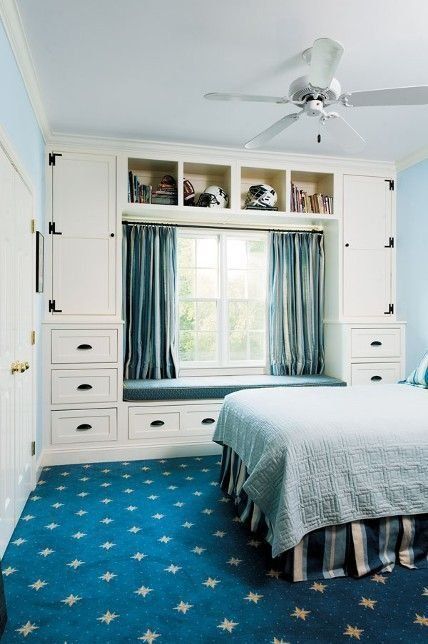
53 156
33 448
391 183
390 310
52 307
391 243
52 230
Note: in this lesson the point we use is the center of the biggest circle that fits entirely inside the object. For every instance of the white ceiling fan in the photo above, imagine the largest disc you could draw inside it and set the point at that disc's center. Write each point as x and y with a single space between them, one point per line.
319 90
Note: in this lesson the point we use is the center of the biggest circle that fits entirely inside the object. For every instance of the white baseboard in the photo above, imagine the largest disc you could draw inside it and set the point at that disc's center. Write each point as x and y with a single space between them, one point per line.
38 469
95 454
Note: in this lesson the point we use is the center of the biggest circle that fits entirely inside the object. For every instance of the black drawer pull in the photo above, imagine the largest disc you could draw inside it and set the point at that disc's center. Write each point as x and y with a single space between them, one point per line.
376 343
84 387
83 427
376 378
84 347
157 423
208 421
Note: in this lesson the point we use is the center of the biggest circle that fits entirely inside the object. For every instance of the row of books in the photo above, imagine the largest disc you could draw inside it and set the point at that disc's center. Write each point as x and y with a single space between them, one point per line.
165 194
317 203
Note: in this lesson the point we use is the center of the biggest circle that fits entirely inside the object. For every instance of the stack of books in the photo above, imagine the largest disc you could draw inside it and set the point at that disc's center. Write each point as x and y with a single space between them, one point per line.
317 203
138 192
166 192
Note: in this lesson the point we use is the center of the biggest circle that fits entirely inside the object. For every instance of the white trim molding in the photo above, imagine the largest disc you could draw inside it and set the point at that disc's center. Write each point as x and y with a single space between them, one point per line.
11 19
412 159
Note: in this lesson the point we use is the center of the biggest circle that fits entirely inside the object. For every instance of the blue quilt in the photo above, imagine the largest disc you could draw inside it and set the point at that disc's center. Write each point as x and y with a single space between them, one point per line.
319 457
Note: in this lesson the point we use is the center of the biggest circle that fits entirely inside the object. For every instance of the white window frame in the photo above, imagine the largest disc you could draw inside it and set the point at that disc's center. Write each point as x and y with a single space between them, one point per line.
221 366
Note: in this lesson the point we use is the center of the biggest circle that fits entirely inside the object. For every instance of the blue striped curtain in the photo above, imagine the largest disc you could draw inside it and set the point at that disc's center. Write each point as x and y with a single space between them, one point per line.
296 303
149 263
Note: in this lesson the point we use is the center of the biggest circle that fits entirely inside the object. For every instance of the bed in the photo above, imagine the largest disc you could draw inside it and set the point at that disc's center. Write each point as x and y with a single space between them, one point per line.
335 480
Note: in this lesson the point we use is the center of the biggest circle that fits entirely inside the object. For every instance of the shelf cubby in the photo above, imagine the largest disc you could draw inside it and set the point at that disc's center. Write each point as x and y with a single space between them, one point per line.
203 175
251 176
151 171
312 183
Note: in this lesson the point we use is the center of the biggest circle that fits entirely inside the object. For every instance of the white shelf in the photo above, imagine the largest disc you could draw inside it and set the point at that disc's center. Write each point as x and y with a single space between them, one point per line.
221 216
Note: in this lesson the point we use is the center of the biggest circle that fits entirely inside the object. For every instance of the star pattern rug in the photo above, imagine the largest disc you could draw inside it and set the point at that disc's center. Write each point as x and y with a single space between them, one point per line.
151 551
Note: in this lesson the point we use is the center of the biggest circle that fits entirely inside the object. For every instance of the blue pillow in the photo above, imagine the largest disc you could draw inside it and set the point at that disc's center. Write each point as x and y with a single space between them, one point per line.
419 377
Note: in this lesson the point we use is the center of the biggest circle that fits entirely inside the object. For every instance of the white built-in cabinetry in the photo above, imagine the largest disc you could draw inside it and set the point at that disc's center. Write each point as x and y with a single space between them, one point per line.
86 416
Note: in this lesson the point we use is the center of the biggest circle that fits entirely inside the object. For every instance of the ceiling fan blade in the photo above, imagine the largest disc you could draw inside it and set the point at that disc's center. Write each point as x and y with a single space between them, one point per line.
394 96
345 135
325 57
273 130
219 96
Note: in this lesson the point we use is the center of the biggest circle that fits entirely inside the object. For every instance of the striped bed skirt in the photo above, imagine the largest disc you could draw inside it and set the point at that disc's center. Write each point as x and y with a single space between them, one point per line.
351 549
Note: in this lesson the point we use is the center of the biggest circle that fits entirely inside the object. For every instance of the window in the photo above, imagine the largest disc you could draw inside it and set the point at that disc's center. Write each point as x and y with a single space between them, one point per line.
222 298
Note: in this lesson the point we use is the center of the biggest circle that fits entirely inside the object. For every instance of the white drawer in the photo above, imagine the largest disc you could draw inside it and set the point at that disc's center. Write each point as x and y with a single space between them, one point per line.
84 426
200 419
81 345
153 423
375 373
83 386
375 343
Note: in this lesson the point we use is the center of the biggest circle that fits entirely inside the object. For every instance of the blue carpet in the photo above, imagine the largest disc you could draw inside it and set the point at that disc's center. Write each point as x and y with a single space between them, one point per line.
149 551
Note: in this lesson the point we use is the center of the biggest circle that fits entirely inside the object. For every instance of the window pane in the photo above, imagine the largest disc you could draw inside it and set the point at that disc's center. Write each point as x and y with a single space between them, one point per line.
207 252
256 254
236 284
256 284
206 282
257 345
207 316
238 345
206 346
186 252
187 316
186 283
236 253
238 316
256 316
187 346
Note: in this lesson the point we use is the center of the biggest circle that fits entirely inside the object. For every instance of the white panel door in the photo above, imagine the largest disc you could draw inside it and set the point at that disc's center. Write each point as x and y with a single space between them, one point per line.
24 285
16 323
7 352
367 282
83 254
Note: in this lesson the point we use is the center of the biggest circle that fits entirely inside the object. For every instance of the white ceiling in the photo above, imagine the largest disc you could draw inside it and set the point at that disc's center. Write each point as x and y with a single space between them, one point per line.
138 68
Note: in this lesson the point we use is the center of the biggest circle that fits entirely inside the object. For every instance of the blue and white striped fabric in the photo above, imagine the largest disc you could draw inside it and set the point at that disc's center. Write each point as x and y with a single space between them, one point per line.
296 303
419 377
352 549
149 301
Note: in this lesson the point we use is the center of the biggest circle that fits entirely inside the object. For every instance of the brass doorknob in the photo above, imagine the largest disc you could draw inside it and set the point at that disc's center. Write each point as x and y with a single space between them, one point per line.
26 365
23 366
15 367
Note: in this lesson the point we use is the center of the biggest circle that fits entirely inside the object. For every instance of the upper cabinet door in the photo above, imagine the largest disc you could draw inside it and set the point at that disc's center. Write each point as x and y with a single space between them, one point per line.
367 207
368 257
84 243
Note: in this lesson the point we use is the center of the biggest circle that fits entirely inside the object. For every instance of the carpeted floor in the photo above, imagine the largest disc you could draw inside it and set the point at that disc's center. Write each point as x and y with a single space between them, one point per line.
149 551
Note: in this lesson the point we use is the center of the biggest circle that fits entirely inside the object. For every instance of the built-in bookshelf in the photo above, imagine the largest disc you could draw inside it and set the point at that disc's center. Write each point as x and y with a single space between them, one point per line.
300 193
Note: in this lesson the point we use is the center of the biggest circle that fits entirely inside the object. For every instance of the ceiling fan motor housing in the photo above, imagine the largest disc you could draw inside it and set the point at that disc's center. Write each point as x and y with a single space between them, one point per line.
301 91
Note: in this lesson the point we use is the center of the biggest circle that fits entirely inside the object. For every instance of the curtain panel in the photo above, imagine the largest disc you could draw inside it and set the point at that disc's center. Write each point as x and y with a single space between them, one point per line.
296 303
149 261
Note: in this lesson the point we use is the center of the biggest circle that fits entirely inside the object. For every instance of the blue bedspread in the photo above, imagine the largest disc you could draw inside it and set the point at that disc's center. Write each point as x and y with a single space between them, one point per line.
319 457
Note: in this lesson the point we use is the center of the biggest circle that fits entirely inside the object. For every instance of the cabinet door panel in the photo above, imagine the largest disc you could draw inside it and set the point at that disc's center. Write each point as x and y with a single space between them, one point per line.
84 254
367 212
83 276
367 283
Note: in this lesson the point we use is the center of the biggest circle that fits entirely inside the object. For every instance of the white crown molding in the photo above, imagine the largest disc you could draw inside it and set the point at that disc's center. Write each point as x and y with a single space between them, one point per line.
11 19
412 159
127 147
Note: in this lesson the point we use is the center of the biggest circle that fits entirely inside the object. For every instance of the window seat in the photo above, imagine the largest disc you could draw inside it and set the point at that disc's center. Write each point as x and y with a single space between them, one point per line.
203 388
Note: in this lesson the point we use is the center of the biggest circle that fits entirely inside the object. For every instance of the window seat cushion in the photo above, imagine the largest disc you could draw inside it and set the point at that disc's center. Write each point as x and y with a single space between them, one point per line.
202 388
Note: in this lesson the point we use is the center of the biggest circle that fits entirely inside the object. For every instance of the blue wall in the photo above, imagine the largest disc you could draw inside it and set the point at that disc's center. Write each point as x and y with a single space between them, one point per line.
20 125
412 258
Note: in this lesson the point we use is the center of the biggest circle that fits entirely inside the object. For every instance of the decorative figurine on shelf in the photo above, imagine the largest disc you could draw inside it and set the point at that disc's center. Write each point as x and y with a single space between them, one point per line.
188 193
213 197
261 197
